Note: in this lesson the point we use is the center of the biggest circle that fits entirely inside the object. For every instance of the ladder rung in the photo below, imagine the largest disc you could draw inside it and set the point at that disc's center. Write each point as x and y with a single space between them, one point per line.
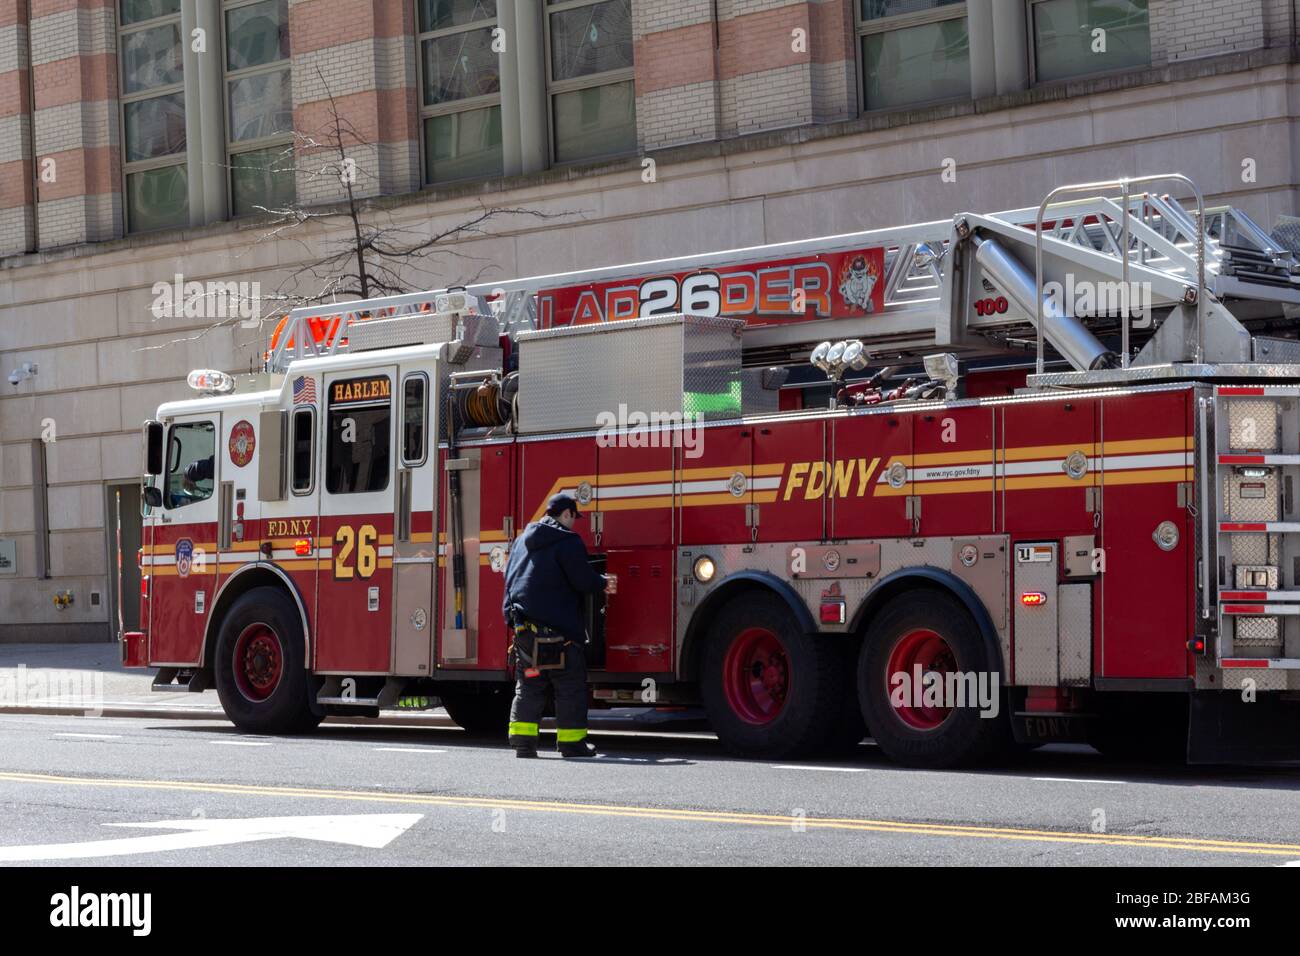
1256 595
1264 608
1257 527
1259 459
1273 663
1276 391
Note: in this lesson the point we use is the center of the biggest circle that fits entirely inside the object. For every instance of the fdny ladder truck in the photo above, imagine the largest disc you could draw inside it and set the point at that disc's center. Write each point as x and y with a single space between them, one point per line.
1055 495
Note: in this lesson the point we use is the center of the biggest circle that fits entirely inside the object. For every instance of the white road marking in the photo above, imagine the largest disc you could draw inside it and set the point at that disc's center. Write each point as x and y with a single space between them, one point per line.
410 750
782 766
240 743
93 736
372 830
1075 780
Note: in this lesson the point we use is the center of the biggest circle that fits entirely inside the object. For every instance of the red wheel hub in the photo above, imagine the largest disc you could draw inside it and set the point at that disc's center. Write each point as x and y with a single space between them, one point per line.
259 662
756 675
920 656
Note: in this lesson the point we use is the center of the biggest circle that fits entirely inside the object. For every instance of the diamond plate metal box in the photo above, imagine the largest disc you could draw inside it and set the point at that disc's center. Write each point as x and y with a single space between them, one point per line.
1251 499
1252 424
1075 621
1256 632
576 378
1037 635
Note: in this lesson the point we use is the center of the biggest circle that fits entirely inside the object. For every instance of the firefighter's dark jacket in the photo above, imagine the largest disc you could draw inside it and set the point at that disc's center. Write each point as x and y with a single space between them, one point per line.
547 576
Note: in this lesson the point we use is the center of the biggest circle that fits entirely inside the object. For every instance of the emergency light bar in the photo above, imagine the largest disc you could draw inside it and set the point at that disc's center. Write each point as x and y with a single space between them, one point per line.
210 381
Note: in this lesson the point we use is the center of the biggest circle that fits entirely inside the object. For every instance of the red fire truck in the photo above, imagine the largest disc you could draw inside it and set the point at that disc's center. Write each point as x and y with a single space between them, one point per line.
1002 479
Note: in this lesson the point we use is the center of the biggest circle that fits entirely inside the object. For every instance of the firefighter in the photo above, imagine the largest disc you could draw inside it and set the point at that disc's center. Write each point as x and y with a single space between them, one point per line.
546 580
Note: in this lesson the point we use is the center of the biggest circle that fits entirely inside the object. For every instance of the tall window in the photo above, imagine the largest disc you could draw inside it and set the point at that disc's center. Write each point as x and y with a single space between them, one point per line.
357 437
1078 37
589 62
153 114
460 89
191 460
913 52
259 105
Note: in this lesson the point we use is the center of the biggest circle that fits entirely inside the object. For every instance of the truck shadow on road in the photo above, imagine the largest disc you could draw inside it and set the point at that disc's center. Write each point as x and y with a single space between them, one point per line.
1063 763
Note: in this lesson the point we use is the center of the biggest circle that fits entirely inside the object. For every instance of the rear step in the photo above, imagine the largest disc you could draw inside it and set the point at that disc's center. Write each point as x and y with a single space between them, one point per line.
331 694
173 679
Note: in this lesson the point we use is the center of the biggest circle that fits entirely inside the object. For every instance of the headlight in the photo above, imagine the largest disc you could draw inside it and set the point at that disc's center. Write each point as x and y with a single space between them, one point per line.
704 569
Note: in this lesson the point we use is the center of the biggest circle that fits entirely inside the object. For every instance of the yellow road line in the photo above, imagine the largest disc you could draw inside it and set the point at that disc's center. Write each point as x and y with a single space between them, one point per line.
674 813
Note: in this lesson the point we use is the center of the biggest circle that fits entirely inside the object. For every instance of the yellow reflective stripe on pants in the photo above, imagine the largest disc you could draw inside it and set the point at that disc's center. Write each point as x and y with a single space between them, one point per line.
519 728
570 736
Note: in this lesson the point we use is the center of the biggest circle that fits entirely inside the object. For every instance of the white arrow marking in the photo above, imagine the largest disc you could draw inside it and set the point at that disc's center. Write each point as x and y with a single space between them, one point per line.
372 830
92 736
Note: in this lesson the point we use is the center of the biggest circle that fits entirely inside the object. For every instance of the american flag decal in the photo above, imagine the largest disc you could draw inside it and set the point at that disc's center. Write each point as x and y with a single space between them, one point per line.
304 390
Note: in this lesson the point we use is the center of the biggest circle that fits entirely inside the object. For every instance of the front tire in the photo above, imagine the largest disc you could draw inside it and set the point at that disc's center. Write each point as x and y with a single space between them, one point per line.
930 630
260 665
770 689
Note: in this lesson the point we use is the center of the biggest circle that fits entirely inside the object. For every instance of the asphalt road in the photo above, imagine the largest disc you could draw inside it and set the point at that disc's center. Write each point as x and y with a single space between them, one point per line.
73 786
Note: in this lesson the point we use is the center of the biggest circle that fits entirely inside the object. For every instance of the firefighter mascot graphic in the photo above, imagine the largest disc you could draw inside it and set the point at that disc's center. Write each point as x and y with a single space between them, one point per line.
857 280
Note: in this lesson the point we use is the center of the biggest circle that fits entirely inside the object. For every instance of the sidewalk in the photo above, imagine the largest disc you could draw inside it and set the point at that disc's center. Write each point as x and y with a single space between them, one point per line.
82 679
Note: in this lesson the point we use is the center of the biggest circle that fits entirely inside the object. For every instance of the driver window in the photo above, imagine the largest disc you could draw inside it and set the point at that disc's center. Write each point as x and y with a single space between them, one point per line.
191 459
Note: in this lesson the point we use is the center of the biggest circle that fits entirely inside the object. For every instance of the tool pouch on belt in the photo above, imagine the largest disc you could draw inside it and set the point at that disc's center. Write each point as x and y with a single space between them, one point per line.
538 649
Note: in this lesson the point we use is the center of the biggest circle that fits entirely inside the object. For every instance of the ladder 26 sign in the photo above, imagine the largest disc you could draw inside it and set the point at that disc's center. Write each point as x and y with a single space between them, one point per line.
830 285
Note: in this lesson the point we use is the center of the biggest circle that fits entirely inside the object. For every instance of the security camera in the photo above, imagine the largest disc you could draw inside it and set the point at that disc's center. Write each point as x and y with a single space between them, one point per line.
22 373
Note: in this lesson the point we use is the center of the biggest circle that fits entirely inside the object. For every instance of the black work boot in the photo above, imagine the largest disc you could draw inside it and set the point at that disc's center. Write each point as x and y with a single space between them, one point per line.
525 744
579 748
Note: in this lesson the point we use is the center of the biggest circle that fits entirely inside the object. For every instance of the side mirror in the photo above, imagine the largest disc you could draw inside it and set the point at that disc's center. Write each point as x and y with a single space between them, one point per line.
153 448
152 496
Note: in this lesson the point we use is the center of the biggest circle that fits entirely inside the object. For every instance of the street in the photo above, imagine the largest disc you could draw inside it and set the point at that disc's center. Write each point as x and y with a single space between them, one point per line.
143 791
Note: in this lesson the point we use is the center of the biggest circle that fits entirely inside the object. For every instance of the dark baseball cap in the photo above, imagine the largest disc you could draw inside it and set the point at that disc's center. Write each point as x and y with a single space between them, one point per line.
561 503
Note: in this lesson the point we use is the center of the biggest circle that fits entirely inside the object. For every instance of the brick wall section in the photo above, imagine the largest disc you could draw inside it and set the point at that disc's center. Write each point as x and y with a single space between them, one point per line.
17 208
834 67
676 72
777 63
1277 22
1188 29
74 53
361 52
766 82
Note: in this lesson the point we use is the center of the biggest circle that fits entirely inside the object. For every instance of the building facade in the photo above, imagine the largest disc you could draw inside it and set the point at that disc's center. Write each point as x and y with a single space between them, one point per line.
144 140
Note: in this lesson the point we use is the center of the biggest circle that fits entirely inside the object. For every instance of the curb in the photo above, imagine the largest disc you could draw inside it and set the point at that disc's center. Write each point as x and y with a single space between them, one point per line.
404 720
387 719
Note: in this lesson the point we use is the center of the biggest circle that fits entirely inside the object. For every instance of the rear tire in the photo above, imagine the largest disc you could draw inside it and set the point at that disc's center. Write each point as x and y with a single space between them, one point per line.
770 689
480 711
260 665
933 630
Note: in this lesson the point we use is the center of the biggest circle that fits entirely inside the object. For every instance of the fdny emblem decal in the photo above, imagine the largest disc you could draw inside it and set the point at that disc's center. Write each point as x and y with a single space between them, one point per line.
242 442
184 556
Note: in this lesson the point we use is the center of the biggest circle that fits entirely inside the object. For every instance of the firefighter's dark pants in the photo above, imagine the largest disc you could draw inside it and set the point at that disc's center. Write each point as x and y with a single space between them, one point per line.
570 687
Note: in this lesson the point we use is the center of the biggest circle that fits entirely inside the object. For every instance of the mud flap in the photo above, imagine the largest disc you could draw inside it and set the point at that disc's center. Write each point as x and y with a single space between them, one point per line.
1227 730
